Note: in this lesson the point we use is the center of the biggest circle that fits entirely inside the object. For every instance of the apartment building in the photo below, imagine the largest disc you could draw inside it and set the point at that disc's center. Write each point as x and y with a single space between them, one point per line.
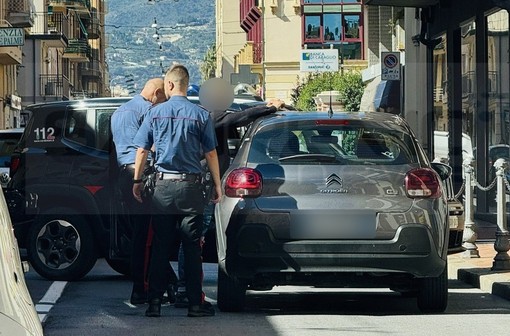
16 16
259 42
64 52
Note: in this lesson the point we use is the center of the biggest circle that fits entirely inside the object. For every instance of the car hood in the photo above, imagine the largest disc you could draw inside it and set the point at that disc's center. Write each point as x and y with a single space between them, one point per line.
376 188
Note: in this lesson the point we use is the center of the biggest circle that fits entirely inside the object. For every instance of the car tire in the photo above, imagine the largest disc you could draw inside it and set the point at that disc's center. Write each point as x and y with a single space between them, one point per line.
433 293
61 247
231 292
121 266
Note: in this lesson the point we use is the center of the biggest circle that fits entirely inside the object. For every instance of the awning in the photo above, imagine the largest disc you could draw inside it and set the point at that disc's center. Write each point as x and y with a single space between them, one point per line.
402 3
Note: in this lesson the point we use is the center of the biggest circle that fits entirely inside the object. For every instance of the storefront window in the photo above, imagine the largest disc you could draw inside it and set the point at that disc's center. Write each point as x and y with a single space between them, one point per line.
468 72
440 81
498 83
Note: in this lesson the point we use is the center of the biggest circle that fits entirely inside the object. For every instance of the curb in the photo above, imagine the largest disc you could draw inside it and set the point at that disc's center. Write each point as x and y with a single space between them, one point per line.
478 272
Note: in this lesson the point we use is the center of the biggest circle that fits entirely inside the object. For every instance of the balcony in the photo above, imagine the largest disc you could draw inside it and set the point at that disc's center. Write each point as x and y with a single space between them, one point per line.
78 5
11 54
78 50
52 28
54 86
19 13
93 70
92 25
251 53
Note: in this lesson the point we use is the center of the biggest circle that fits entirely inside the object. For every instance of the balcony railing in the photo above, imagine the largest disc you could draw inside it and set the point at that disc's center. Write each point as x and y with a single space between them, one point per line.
78 50
257 52
19 13
251 53
92 26
469 82
76 4
54 86
53 26
92 69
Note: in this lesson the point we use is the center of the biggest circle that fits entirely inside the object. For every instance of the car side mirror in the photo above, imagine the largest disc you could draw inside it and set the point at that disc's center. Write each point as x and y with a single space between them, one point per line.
442 169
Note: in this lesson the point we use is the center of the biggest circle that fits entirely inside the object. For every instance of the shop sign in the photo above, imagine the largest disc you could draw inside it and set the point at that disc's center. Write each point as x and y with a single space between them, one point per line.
11 37
15 102
319 60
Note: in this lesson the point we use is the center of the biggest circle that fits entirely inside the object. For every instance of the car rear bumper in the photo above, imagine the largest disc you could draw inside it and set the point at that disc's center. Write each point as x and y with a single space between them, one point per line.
253 250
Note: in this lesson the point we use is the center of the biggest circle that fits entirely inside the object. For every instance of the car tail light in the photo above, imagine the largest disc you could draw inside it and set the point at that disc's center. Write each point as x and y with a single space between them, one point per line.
243 182
15 160
422 183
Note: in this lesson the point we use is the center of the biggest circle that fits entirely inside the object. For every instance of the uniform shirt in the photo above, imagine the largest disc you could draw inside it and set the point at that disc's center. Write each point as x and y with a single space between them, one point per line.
181 132
126 121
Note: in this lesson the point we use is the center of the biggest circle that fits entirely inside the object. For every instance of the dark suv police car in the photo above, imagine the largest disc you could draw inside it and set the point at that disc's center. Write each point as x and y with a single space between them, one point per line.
61 190
62 196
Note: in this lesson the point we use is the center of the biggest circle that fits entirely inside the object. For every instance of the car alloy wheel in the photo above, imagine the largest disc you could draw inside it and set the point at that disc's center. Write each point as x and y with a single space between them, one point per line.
61 247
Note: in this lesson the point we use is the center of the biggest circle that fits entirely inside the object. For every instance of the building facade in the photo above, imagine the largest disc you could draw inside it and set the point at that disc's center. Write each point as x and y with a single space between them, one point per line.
64 52
461 64
259 42
16 18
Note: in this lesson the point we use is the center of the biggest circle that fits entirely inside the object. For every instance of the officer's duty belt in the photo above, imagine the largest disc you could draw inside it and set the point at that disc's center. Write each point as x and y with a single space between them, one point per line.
187 177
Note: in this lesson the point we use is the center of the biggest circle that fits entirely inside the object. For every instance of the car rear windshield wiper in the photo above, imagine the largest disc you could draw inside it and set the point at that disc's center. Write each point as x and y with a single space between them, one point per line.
310 158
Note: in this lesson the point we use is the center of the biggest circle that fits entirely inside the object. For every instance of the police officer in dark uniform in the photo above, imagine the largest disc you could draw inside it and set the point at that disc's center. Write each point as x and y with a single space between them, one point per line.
125 122
182 133
225 124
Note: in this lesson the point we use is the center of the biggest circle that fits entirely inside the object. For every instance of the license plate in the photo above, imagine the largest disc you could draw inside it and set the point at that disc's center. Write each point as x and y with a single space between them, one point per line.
359 224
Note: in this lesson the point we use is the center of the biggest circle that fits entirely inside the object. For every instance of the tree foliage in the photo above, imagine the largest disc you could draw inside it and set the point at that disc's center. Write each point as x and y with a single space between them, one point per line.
208 65
349 85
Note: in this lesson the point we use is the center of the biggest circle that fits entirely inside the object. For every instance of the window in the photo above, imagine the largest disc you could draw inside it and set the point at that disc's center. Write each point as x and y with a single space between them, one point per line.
103 117
331 145
336 23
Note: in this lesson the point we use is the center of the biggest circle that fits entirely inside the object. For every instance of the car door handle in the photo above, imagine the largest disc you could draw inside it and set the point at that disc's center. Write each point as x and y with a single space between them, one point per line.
93 168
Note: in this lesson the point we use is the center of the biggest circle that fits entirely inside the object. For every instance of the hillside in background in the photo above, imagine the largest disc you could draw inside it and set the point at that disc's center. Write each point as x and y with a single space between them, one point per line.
186 29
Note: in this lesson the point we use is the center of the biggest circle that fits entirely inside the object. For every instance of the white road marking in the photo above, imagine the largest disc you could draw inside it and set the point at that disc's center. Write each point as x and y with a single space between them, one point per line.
49 299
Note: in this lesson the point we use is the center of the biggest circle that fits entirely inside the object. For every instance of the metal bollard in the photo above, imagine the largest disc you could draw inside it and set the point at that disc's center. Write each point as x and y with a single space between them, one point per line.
502 244
470 235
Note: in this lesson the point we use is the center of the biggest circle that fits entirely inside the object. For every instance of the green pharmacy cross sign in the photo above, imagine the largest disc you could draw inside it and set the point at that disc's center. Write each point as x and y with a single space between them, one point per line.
12 37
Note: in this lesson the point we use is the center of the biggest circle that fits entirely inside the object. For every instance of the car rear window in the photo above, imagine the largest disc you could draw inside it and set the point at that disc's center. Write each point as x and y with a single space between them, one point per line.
352 143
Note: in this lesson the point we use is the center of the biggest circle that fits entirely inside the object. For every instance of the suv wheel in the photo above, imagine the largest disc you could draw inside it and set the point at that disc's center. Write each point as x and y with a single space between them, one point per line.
231 292
433 293
61 247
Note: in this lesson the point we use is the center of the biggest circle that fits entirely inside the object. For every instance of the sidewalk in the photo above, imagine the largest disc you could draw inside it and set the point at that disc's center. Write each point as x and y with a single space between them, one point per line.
477 271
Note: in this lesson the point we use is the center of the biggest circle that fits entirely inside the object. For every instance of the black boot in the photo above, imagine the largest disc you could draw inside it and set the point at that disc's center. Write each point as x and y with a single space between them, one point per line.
138 297
154 309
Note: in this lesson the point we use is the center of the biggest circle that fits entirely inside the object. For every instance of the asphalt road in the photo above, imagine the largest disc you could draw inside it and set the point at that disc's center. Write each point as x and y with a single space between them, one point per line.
98 305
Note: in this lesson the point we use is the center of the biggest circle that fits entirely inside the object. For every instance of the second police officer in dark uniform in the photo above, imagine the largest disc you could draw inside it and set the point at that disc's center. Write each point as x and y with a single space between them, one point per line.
182 133
125 123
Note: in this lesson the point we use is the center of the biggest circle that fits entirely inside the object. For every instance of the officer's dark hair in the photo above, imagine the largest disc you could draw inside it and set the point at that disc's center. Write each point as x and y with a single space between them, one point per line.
178 74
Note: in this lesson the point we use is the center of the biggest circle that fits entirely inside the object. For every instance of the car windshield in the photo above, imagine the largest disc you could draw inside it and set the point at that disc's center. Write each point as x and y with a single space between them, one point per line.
346 143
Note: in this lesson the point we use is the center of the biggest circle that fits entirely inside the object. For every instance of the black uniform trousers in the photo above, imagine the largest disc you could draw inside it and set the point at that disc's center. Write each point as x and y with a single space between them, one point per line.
177 213
139 215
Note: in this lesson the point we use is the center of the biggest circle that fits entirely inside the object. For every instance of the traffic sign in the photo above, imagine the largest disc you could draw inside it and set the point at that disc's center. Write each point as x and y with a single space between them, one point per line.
390 65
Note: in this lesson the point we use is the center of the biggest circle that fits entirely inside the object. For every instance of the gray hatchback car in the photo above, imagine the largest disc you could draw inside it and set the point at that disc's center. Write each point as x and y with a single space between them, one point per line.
350 200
